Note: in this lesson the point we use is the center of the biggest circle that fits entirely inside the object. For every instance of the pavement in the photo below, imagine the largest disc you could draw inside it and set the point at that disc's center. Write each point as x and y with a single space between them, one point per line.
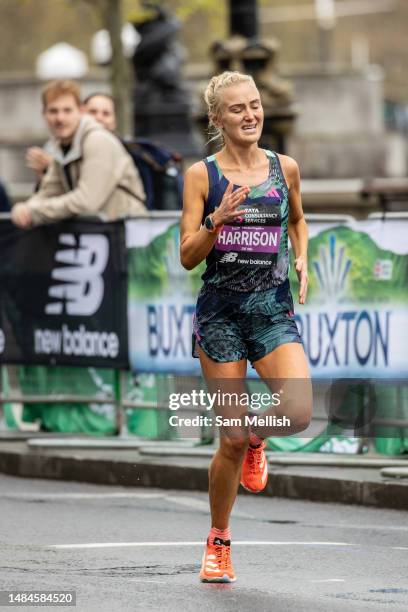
136 548
368 480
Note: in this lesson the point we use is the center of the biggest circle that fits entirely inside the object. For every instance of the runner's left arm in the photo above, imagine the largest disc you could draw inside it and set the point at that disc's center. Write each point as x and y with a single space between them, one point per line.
297 227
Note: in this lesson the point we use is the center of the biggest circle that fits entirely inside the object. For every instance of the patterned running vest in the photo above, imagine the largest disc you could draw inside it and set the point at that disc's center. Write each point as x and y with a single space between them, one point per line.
252 254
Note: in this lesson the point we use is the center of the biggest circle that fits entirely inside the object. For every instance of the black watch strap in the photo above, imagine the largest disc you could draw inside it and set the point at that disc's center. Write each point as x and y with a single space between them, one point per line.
209 224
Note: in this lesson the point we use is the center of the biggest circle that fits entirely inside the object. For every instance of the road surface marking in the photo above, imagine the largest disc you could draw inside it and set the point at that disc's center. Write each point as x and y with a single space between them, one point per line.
347 526
330 580
200 543
64 496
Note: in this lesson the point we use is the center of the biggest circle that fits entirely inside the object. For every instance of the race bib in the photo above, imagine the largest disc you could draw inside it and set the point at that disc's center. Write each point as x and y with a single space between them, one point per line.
254 241
249 239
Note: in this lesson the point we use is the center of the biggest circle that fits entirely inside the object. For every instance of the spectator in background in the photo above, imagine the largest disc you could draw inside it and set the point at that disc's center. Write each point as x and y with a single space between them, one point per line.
4 200
101 107
38 159
159 169
89 173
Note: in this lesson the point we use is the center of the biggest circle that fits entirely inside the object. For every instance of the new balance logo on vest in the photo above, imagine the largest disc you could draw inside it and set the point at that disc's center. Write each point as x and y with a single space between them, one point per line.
228 258
80 287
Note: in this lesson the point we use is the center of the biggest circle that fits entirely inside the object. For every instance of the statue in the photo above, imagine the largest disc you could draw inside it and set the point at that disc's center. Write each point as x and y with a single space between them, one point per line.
245 52
162 102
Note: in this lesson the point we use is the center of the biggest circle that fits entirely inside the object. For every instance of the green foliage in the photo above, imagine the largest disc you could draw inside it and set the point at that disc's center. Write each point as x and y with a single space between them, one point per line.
363 252
29 27
155 268
186 8
203 21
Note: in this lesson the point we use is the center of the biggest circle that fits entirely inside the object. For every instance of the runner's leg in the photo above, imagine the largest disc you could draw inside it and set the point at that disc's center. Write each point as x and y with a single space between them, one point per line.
224 471
225 467
288 365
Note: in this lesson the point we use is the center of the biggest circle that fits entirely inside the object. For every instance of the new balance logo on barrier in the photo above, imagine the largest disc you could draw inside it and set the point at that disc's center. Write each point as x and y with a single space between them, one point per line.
80 288
228 258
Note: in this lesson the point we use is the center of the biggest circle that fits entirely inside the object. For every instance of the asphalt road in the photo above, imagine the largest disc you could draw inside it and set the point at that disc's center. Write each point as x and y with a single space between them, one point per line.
309 556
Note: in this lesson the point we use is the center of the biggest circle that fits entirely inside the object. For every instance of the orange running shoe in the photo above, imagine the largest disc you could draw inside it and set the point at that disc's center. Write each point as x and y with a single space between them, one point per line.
216 565
254 475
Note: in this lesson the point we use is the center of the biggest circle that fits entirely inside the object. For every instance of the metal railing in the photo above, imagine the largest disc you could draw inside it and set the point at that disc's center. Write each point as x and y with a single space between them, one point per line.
118 396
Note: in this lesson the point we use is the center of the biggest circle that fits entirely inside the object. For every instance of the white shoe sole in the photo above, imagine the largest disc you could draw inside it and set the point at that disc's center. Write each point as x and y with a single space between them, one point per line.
224 578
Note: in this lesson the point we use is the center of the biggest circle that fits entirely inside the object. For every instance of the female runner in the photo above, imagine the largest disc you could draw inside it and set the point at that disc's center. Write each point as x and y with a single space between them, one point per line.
239 207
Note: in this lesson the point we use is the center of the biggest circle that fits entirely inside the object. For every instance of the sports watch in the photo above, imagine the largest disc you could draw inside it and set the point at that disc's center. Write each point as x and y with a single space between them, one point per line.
209 224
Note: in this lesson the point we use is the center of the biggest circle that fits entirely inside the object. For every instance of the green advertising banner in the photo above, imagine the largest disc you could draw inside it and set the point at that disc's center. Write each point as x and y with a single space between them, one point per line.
354 324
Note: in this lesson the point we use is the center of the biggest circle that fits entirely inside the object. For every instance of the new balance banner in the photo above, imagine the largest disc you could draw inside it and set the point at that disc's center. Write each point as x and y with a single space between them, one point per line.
63 294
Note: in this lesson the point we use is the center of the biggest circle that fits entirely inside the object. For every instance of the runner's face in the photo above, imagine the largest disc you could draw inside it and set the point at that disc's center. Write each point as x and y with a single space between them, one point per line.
241 114
103 111
63 116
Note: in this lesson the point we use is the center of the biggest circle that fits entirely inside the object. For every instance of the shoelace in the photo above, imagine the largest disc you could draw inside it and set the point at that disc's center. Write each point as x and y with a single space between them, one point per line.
227 557
219 554
254 458
223 554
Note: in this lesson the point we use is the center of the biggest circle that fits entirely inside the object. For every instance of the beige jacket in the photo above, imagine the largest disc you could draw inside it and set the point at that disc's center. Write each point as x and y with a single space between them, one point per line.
104 179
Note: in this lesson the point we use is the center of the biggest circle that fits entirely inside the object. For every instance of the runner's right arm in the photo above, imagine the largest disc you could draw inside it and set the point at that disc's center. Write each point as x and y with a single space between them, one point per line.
196 241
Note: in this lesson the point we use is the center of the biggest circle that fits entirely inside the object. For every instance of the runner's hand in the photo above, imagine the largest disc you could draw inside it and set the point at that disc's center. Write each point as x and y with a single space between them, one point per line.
301 271
227 210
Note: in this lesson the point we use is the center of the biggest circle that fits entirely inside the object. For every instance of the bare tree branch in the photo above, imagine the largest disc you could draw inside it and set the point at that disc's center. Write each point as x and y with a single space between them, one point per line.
110 13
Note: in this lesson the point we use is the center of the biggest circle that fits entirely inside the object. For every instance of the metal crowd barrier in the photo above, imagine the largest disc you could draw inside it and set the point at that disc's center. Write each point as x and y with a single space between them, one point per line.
118 398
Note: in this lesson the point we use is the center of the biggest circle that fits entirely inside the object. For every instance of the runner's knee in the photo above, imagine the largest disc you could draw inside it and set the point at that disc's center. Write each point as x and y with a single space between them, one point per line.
300 421
234 447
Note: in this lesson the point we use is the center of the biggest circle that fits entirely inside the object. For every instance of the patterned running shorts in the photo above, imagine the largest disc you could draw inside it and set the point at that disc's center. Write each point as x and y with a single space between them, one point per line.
230 326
